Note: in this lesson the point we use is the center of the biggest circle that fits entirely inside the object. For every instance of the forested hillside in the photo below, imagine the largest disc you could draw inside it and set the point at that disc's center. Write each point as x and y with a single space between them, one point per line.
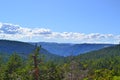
103 64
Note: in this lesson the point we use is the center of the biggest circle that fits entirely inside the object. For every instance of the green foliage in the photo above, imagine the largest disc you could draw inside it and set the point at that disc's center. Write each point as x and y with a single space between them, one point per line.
11 67
116 78
103 64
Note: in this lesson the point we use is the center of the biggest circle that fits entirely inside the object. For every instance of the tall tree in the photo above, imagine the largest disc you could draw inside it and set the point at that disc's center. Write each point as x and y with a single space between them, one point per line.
36 62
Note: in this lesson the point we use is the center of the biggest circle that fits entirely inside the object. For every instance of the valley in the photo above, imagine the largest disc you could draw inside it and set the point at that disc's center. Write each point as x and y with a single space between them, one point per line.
90 61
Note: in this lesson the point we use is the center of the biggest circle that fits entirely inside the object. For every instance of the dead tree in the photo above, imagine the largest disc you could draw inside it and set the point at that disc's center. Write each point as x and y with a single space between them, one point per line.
36 62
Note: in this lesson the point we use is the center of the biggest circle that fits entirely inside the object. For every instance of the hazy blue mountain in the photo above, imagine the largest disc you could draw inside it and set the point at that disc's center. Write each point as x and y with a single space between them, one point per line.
49 49
83 48
24 49
9 47
67 49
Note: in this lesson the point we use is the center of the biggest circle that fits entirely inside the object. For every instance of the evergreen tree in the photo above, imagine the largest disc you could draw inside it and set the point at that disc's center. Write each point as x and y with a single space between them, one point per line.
13 64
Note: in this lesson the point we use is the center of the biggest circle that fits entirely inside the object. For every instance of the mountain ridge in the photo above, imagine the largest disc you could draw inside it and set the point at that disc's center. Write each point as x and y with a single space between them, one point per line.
22 48
67 49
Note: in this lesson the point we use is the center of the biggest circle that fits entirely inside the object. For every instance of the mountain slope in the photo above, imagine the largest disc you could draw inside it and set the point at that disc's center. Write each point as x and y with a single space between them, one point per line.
103 64
24 49
102 53
71 49
83 48
9 47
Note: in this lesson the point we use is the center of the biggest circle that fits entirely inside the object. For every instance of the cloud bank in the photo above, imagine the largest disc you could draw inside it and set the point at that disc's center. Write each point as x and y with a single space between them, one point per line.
16 32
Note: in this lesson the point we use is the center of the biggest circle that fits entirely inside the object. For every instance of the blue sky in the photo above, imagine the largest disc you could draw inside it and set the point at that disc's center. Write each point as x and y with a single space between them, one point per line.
71 16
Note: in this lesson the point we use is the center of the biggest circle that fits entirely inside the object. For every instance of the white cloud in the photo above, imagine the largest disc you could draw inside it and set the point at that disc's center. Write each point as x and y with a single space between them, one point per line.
16 32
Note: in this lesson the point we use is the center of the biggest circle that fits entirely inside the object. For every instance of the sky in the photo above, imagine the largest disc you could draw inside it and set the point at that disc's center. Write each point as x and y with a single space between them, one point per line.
62 21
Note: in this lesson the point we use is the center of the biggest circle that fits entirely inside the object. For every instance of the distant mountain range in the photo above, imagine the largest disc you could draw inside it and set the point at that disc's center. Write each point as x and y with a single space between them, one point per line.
49 49
23 49
63 49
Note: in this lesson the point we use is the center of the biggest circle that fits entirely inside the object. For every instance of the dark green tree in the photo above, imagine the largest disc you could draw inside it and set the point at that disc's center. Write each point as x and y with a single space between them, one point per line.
11 67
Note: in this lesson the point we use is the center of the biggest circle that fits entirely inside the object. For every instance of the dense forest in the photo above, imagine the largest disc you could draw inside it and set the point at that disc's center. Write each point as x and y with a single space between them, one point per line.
101 64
